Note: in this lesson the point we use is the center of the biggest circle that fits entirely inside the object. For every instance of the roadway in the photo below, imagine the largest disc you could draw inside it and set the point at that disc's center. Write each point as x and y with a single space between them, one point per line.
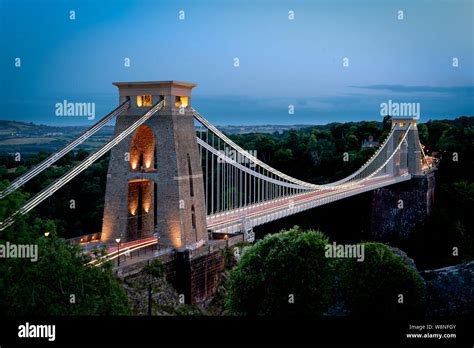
231 221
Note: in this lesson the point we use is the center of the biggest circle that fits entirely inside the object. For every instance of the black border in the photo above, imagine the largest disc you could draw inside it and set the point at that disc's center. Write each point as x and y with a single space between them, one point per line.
160 331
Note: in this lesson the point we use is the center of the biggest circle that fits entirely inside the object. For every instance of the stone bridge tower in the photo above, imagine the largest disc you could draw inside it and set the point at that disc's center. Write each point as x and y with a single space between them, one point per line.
397 209
154 180
409 156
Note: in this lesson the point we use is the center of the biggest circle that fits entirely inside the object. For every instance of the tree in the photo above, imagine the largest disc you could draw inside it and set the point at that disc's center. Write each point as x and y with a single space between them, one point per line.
59 283
282 275
283 158
81 155
374 286
352 142
451 139
423 133
325 150
435 131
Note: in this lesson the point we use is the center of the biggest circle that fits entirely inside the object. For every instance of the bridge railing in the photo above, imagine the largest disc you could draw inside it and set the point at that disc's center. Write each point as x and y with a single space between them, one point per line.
366 168
267 182
233 224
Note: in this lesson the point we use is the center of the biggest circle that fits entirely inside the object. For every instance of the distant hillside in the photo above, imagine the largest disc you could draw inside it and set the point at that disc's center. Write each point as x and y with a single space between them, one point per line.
14 128
268 128
28 138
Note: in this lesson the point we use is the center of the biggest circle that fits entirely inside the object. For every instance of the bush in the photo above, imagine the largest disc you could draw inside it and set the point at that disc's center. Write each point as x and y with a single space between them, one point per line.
373 286
290 265
155 268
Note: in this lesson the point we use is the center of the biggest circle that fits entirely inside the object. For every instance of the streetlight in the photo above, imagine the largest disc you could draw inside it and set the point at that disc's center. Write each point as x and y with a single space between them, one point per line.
118 251
46 234
157 240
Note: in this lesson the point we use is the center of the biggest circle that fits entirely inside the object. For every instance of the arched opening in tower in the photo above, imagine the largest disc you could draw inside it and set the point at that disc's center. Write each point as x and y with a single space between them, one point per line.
141 217
142 150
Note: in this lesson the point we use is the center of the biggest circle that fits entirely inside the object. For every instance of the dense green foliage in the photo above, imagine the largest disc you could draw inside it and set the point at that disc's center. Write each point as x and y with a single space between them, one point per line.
59 282
283 274
315 154
292 264
373 286
70 207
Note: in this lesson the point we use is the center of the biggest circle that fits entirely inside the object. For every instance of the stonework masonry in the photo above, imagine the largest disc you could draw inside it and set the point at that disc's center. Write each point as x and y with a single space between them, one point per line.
397 209
176 199
409 157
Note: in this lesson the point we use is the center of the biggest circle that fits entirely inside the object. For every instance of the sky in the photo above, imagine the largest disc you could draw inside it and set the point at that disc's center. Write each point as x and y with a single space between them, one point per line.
282 61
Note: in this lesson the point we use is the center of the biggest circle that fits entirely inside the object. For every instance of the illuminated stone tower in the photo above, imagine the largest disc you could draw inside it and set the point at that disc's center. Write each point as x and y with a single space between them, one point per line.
154 180
409 156
397 209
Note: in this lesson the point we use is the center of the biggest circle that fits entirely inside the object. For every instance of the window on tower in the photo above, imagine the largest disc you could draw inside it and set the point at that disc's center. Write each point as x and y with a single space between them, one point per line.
181 102
143 100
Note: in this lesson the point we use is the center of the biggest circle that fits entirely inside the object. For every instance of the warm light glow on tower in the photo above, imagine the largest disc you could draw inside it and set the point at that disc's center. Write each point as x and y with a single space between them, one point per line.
142 148
144 100
181 102
146 206
175 235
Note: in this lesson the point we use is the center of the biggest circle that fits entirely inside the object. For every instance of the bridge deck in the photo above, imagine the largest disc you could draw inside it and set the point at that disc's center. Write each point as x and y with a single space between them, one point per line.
232 221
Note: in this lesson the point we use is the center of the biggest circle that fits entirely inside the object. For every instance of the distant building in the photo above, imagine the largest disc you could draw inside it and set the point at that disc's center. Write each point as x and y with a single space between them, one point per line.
370 142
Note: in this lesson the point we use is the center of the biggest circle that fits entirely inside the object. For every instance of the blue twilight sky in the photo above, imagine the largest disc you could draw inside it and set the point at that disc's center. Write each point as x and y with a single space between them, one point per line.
282 61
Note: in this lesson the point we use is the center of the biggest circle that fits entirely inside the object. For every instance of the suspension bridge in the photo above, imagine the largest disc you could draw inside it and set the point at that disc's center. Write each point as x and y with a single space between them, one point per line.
174 174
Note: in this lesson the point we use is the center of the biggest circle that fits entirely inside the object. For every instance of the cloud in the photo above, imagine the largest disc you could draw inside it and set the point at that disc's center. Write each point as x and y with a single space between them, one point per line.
418 89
